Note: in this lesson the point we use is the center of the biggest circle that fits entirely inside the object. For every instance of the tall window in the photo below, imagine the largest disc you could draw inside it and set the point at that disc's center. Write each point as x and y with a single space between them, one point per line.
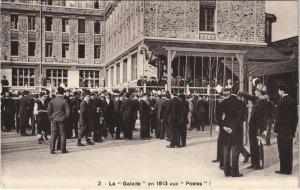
57 76
81 26
65 51
22 76
118 73
49 49
96 5
89 78
65 25
81 51
14 21
97 27
125 70
97 52
48 21
31 48
63 2
134 66
14 48
112 82
207 16
31 22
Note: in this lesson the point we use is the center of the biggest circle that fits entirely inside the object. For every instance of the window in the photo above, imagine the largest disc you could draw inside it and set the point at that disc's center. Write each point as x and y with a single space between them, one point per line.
65 51
134 66
70 3
96 5
49 49
31 48
89 78
23 76
48 23
112 82
97 27
57 76
81 51
31 22
125 70
14 21
118 73
97 52
81 26
65 25
207 16
14 48
63 2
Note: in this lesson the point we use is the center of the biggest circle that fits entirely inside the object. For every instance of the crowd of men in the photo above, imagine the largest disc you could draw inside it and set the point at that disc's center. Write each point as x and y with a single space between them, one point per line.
95 115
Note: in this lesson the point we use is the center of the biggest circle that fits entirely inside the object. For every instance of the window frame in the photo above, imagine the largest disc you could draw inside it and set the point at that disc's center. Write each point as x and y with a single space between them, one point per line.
56 78
47 50
11 49
14 22
46 25
34 52
18 78
81 22
31 26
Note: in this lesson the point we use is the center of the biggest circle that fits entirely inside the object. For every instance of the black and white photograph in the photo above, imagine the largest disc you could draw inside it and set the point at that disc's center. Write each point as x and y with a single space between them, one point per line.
149 94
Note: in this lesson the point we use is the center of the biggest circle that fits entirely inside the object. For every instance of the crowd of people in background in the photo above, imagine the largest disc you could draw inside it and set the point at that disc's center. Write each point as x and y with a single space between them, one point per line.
168 115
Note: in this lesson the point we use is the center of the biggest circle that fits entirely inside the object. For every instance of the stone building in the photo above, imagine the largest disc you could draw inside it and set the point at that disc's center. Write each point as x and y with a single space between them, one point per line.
113 43
50 42
197 40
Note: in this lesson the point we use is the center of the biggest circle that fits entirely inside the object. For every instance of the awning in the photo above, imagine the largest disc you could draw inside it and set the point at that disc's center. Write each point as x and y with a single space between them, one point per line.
253 53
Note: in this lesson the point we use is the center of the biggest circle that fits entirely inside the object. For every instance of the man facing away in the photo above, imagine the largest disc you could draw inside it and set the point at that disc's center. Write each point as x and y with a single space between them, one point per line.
58 111
285 128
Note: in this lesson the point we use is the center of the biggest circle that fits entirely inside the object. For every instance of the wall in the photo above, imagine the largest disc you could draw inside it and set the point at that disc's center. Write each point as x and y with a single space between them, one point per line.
238 21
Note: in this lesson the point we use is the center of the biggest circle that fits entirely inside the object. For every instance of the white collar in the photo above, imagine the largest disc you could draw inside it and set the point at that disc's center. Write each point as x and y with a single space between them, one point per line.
284 95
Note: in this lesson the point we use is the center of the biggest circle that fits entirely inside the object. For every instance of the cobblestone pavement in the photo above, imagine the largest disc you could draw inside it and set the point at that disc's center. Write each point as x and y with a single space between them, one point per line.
127 164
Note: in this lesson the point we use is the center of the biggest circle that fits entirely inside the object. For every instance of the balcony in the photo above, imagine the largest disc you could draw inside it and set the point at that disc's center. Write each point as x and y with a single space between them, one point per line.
207 36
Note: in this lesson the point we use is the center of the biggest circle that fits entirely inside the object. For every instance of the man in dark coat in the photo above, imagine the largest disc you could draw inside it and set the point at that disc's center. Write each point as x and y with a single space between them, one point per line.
128 117
84 125
145 117
4 83
118 116
200 114
24 113
58 111
175 118
93 118
108 113
164 117
152 116
69 128
182 126
257 126
233 136
159 133
136 107
285 128
75 108
7 112
17 111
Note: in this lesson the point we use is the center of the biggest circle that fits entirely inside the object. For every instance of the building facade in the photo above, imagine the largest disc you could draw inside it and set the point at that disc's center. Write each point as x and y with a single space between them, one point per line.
52 42
113 43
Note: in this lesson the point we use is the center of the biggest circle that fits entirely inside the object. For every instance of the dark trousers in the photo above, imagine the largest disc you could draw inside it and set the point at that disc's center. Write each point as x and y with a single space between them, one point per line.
97 132
24 119
8 120
244 152
119 127
58 128
110 125
231 160
285 149
167 128
254 148
183 134
84 131
160 131
153 122
174 135
75 126
128 129
17 123
220 148
69 128
145 127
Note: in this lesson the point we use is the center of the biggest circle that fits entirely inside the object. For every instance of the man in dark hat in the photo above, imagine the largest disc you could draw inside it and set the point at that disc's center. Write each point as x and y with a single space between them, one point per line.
5 84
108 113
182 126
285 128
75 108
232 123
84 125
128 117
257 125
7 112
145 117
159 133
175 118
24 113
118 115
58 111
